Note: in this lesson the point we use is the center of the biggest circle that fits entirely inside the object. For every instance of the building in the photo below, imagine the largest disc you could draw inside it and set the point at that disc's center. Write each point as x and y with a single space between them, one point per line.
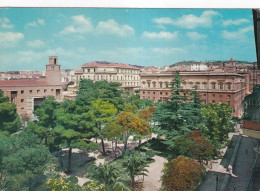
27 94
14 75
128 76
213 87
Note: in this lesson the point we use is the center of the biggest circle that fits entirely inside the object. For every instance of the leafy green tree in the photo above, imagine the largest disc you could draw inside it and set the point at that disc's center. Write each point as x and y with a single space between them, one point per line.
135 164
10 121
113 132
46 119
181 174
176 117
25 159
107 91
218 123
103 113
73 127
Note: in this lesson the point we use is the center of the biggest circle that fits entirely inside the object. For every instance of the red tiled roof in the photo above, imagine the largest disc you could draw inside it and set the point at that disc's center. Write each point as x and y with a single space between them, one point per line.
24 82
108 64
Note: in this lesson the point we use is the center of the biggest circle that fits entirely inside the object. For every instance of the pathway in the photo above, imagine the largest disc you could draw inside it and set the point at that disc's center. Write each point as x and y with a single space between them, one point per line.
152 181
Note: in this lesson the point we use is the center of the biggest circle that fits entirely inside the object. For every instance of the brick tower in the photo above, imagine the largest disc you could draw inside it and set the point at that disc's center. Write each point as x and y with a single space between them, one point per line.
53 73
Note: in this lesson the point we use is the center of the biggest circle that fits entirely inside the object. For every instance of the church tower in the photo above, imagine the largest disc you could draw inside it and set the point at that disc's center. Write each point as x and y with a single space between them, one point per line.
53 72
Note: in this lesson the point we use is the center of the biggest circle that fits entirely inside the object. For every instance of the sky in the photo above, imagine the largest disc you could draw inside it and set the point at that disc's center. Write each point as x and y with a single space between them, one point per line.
146 37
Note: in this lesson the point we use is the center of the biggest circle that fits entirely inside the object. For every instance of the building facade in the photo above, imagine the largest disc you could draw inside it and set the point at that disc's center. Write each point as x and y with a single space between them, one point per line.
27 94
213 87
128 76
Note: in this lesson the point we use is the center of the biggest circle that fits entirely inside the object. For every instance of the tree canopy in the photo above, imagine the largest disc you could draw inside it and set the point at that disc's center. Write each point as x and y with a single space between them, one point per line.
181 174
10 121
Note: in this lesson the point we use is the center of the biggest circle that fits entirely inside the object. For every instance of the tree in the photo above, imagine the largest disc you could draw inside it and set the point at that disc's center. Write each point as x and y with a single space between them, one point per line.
10 121
218 123
103 113
181 174
107 91
72 127
25 159
176 117
146 114
136 164
131 124
195 146
113 132
46 118
108 175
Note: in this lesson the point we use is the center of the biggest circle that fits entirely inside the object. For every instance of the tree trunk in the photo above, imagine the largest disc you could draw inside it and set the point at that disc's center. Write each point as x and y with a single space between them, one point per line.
103 146
125 145
140 141
69 160
133 183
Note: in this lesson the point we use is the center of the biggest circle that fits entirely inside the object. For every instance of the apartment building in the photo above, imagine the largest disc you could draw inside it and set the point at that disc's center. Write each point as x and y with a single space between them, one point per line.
128 76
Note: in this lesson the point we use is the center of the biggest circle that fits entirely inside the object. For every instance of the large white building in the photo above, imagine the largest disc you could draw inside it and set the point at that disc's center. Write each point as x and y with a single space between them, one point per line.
128 76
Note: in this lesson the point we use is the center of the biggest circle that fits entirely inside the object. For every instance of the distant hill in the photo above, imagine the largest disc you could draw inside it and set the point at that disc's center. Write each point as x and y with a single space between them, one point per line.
212 62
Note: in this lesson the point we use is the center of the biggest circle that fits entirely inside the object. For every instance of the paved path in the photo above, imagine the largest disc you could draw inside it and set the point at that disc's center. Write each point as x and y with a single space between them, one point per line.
243 164
152 181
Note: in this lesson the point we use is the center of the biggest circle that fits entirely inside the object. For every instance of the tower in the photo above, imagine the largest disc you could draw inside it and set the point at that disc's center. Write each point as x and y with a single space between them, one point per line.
53 73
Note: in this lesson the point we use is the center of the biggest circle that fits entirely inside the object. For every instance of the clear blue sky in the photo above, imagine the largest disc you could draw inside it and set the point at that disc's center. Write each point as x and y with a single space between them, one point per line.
132 36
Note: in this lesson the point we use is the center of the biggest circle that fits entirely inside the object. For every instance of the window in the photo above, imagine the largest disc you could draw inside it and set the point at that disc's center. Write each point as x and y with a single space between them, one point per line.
204 86
228 102
30 91
213 86
229 96
148 85
52 90
143 92
160 93
94 70
154 84
220 102
166 93
213 101
45 91
153 93
88 70
160 84
22 91
205 95
221 86
213 95
22 100
229 86
38 91
167 85
220 96
22 108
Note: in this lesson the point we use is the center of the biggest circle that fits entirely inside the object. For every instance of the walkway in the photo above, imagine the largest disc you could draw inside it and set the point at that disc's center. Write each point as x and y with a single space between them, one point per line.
152 181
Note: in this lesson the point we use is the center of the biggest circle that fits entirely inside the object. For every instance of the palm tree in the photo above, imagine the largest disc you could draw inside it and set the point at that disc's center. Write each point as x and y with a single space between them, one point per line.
136 165
108 175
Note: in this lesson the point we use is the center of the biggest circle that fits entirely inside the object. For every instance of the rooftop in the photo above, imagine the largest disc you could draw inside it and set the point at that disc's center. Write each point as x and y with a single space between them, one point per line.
108 64
23 82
